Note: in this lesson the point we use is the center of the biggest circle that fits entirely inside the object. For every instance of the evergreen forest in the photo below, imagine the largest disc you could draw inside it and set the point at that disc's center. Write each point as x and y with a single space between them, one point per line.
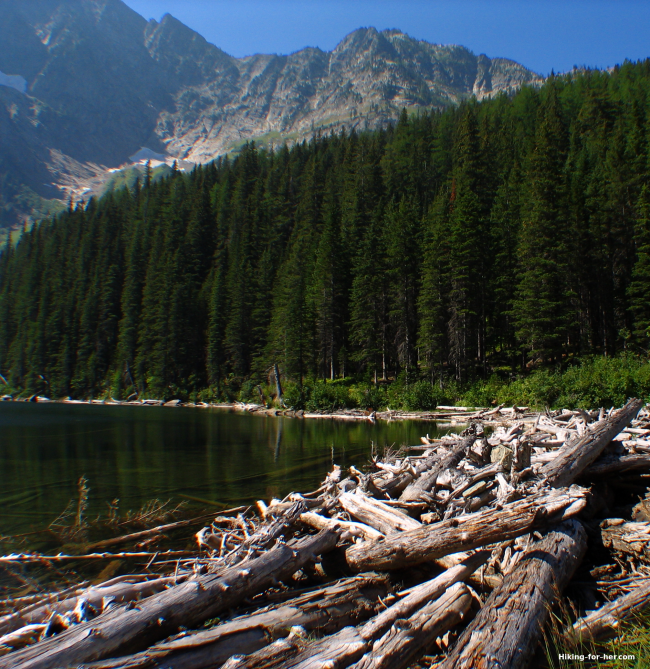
487 239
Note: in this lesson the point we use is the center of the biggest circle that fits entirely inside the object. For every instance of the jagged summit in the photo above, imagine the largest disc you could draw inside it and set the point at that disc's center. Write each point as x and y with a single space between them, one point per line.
102 82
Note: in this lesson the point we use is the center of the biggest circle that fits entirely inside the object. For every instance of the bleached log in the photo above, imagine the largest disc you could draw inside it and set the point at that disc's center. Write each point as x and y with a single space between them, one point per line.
508 627
122 630
379 516
606 621
426 481
575 456
404 642
466 532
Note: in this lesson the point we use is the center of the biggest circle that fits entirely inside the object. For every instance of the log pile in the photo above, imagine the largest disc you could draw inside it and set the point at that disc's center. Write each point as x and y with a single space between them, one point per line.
452 553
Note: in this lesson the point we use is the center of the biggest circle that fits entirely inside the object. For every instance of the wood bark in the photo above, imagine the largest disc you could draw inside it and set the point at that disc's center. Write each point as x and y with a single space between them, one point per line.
126 630
326 609
345 645
426 481
319 522
122 589
575 456
408 639
397 484
606 621
507 629
466 532
379 516
617 464
631 538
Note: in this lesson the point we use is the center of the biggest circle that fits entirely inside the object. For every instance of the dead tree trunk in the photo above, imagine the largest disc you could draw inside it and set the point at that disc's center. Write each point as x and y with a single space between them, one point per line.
326 609
575 456
507 629
466 532
630 538
349 644
379 516
606 620
122 631
427 480
404 642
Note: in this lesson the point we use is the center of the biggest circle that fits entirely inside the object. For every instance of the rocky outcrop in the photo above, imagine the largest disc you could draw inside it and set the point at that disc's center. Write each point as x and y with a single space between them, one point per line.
88 83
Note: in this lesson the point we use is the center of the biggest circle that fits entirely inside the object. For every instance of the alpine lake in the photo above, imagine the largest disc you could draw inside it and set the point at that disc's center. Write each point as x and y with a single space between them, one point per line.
204 458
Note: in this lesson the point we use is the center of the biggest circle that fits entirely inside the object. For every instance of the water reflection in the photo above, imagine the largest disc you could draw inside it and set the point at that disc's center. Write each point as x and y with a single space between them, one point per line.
139 453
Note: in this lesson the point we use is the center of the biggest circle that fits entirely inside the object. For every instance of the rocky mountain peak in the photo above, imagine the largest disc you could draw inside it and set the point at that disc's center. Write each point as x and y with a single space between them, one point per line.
101 83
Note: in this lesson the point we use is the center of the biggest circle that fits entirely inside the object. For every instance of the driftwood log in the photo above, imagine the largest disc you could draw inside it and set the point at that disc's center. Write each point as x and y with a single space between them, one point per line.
350 644
575 456
325 609
507 629
120 632
376 514
630 538
466 532
426 480
405 641
606 621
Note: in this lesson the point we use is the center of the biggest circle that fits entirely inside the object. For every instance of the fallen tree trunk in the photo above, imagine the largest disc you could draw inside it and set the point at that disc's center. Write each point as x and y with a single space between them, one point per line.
466 532
379 516
403 642
630 538
326 609
507 629
121 589
122 631
575 456
617 464
427 480
346 644
606 621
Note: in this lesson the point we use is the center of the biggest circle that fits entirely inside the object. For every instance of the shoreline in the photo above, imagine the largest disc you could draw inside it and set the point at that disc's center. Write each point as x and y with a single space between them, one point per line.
443 414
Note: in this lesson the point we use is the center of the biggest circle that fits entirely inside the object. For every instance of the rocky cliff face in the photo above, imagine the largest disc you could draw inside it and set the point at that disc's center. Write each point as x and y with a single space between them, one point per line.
84 84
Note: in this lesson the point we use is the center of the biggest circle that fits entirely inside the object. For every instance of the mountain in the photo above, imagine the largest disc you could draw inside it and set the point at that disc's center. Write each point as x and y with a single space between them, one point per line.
86 84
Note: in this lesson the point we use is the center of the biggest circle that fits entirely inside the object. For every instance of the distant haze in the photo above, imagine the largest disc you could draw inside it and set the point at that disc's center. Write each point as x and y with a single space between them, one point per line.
544 35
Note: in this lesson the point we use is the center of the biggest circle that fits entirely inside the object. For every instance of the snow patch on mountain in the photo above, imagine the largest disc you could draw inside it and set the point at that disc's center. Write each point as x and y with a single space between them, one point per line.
13 81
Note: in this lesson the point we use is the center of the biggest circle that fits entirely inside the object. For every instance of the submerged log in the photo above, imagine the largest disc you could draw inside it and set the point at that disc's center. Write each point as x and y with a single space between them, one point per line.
466 532
575 456
426 481
606 621
326 609
122 630
508 627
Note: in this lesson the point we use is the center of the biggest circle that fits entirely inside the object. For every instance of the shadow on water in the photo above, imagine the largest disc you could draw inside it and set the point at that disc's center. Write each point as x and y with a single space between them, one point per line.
136 454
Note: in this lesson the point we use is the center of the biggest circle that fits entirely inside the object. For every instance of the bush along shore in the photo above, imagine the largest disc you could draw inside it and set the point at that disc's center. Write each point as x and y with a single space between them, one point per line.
522 536
585 383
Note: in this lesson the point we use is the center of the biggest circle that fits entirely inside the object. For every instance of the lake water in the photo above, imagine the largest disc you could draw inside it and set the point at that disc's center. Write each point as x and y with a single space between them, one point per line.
136 454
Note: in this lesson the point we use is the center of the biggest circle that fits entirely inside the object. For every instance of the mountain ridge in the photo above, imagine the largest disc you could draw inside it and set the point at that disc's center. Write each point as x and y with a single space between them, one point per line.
102 82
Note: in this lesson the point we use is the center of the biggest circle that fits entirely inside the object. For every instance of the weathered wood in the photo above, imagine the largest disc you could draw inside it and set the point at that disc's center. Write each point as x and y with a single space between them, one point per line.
575 456
466 532
345 645
422 593
326 609
120 589
398 483
606 621
426 481
508 627
319 522
617 464
122 631
632 538
405 641
379 516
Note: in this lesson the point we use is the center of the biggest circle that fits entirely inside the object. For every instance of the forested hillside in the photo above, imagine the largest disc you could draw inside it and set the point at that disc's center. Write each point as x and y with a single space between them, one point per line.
492 236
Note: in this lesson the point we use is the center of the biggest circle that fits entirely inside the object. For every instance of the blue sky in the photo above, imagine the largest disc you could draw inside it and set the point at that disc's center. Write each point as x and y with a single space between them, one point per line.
540 34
